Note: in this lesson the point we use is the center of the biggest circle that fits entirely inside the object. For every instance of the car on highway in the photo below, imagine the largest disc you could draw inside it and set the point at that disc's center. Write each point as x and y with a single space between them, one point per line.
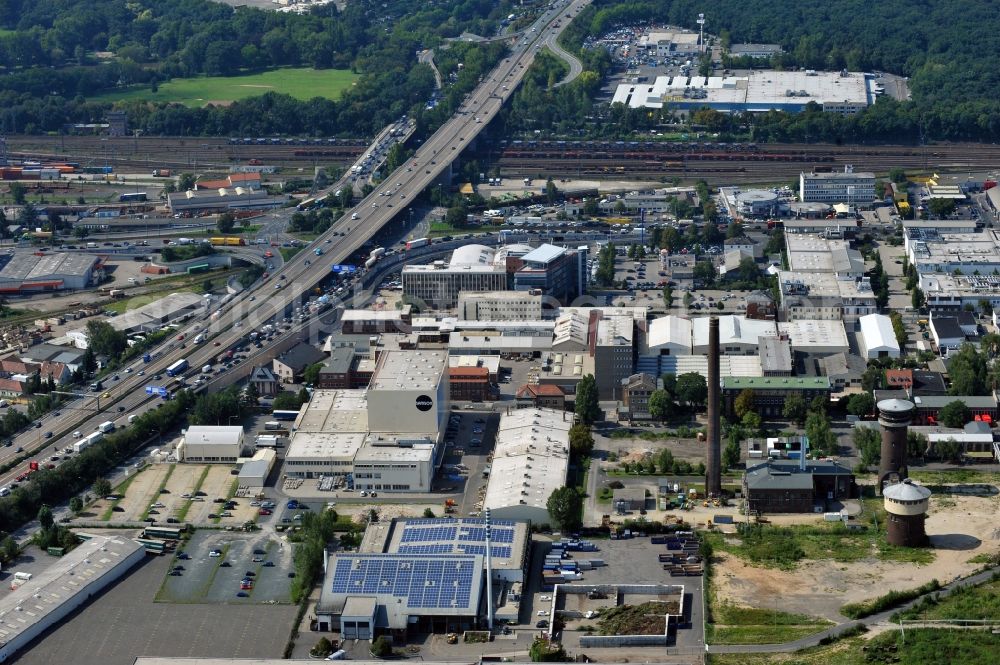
48 435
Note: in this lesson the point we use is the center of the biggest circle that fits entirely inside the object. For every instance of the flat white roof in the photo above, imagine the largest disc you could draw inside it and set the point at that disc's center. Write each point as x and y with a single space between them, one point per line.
212 435
531 458
418 448
728 365
809 334
410 370
491 362
334 411
322 446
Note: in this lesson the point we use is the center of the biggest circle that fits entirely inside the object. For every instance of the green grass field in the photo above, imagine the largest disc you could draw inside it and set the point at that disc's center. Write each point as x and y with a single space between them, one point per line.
194 92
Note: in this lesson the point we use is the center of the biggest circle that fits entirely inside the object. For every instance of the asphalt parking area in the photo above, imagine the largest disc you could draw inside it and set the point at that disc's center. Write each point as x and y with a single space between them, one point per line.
207 579
124 622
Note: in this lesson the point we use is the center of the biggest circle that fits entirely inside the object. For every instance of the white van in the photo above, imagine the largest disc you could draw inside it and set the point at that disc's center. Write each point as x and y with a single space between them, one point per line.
4 403
4 491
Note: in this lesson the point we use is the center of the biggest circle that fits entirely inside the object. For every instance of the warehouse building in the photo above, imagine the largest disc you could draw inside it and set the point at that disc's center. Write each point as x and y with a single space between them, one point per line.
877 338
41 602
757 92
530 461
173 308
208 443
222 200
809 294
30 273
738 335
809 253
818 337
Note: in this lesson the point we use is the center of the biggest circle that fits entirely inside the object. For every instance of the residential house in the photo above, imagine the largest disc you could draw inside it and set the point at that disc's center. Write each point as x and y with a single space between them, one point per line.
264 381
290 364
546 396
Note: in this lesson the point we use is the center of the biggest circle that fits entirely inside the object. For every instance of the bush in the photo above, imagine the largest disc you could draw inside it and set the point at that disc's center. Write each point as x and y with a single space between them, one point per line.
322 649
888 601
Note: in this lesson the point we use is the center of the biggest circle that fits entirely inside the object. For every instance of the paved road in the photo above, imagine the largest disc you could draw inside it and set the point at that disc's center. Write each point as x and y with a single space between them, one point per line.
880 618
427 57
575 66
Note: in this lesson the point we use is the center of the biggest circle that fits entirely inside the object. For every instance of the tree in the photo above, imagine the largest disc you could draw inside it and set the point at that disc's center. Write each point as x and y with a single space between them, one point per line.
704 272
752 422
744 403
948 450
45 518
76 505
587 405
860 404
954 414
564 506
660 404
9 549
822 440
897 175
543 651
322 649
665 461
311 374
105 340
551 192
185 182
917 298
102 487
869 445
456 216
731 454
226 223
287 400
429 514
692 389
581 441
381 648
17 193
941 207
968 371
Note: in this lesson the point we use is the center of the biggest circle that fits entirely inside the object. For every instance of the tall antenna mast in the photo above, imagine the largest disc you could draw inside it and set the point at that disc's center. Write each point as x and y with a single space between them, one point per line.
701 27
489 573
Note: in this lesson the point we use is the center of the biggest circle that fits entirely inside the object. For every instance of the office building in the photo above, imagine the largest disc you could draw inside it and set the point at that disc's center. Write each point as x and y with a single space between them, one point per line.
553 271
499 306
808 294
438 285
847 186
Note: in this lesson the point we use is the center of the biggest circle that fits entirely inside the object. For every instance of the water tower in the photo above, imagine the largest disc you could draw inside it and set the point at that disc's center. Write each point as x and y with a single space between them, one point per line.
894 415
906 505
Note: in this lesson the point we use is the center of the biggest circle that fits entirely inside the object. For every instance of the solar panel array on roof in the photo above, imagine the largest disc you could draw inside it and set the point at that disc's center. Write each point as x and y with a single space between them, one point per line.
432 582
454 535
501 551
427 534
436 548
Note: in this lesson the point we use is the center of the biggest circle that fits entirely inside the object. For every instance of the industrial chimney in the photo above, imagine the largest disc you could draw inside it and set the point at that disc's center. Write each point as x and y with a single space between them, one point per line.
713 468
894 415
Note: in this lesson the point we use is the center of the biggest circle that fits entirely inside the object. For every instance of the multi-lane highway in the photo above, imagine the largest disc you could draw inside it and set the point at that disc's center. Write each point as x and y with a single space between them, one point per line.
281 292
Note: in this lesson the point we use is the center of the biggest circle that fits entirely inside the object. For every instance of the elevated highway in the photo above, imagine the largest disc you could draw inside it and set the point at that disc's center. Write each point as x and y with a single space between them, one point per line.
271 300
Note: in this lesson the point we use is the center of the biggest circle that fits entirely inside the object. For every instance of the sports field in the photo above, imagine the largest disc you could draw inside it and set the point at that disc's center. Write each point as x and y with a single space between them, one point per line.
299 83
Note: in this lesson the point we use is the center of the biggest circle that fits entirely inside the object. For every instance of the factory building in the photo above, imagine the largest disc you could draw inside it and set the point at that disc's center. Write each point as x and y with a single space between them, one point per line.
795 486
810 294
770 393
31 273
809 253
839 187
530 461
40 602
383 438
208 443
424 575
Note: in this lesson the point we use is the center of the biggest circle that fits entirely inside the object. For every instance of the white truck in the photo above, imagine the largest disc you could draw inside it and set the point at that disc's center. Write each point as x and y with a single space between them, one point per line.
200 338
206 369
106 427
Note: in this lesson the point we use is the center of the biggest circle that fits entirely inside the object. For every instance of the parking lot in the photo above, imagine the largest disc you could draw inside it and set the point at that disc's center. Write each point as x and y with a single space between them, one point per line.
633 561
124 622
469 439
198 577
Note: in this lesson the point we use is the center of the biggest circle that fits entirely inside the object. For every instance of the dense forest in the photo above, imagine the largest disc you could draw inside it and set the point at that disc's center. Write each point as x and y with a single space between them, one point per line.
54 52
946 47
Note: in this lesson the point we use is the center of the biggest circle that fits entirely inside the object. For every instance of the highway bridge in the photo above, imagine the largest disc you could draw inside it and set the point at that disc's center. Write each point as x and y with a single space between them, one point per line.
280 294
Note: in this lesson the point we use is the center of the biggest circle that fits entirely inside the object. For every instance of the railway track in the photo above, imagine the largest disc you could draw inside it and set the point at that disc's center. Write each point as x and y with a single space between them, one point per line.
199 153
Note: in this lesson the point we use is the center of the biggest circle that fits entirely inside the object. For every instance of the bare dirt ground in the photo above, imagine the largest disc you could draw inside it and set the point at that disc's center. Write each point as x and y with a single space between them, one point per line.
216 485
960 528
142 492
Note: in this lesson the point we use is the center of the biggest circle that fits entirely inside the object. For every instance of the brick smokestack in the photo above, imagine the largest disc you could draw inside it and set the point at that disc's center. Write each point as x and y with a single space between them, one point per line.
713 467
